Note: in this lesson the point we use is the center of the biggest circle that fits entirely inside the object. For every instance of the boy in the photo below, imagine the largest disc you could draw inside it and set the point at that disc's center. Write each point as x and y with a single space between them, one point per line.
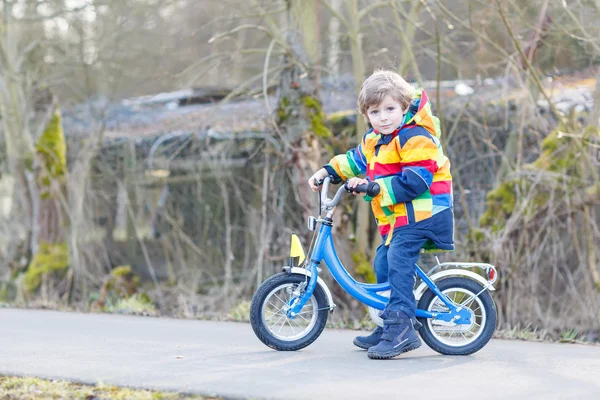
403 154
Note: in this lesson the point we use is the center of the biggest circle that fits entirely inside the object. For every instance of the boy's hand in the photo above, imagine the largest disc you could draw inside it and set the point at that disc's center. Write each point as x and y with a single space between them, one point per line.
354 182
319 175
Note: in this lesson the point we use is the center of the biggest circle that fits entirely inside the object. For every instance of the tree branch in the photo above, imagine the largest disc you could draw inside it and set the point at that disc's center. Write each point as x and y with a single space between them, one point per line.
528 68
335 12
365 11
55 14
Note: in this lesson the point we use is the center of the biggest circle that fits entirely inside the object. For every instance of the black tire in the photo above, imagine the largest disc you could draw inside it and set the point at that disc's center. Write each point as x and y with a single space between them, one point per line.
263 332
488 305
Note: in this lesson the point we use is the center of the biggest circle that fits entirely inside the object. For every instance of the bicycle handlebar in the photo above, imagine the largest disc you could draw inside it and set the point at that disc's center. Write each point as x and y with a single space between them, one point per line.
372 189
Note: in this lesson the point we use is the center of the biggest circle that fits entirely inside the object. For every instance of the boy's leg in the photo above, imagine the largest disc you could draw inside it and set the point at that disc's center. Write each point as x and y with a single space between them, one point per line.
403 255
399 334
381 273
380 263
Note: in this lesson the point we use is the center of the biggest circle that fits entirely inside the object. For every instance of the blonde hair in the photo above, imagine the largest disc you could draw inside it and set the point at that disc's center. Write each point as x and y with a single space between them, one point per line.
380 84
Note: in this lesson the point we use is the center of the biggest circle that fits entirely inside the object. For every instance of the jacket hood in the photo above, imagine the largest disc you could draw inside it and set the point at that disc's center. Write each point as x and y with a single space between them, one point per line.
419 113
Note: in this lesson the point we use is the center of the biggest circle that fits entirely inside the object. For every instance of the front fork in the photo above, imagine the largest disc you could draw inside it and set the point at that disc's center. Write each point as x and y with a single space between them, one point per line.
299 299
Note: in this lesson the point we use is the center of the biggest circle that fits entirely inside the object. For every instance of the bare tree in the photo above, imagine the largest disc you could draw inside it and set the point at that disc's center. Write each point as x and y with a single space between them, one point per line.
352 23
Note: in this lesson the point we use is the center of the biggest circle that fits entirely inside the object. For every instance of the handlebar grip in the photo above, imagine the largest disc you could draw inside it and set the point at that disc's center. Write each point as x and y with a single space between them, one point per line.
372 189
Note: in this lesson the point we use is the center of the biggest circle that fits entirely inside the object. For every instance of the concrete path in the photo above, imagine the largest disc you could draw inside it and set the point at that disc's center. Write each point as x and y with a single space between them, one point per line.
226 359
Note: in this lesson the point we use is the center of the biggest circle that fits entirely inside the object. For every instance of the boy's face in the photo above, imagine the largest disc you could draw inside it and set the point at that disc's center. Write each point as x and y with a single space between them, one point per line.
387 116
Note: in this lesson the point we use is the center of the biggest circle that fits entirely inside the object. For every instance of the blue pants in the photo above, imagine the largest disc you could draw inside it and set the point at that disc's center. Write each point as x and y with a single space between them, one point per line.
396 262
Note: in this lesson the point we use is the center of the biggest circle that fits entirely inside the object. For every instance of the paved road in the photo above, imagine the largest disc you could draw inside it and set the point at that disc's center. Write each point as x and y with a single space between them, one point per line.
216 358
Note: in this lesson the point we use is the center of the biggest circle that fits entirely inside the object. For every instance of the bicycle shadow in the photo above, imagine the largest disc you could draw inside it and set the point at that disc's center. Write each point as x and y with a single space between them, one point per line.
428 361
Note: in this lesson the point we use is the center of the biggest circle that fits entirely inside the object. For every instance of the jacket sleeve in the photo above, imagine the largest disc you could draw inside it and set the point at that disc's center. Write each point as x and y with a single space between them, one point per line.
345 166
419 163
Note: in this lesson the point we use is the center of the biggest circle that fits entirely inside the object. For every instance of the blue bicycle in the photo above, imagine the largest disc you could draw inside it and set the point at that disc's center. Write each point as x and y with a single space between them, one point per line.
290 309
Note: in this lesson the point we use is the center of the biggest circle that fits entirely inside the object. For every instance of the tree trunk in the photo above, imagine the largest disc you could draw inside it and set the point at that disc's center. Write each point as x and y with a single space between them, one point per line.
595 113
130 173
358 67
407 32
334 50
306 15
52 255
299 113
15 105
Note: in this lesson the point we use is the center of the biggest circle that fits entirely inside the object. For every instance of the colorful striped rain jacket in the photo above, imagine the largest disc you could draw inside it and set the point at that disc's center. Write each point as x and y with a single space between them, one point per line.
410 167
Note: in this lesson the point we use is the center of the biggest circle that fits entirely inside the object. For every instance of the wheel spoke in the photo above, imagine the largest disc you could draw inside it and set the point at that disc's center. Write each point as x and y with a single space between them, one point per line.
290 324
276 322
283 323
278 298
469 302
273 315
298 315
296 322
274 306
287 296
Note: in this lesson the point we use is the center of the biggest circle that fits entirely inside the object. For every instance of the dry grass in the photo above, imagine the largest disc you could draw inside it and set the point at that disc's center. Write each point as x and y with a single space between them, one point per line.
27 388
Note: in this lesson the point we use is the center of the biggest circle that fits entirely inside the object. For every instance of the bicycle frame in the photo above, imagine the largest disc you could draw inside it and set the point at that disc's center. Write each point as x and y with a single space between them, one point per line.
366 293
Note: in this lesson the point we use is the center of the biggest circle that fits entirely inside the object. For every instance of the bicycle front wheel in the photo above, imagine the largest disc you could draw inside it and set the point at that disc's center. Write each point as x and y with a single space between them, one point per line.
269 319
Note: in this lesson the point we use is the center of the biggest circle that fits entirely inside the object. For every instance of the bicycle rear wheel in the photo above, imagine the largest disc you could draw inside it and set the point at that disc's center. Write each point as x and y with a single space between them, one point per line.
450 338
